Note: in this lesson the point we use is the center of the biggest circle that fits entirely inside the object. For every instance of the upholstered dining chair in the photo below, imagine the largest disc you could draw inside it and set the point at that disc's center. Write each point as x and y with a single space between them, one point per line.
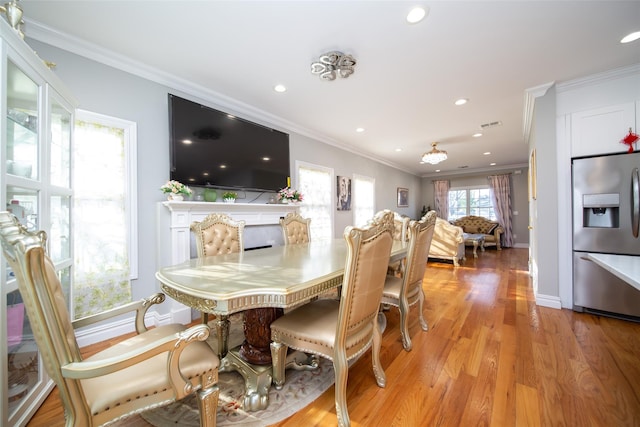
405 291
295 229
341 330
153 368
400 226
218 234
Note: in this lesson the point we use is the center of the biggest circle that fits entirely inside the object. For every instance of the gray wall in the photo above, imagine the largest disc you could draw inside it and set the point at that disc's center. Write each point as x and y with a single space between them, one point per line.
519 193
103 89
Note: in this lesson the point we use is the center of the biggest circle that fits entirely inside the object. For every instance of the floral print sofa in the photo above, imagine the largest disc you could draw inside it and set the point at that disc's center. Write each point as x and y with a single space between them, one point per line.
480 225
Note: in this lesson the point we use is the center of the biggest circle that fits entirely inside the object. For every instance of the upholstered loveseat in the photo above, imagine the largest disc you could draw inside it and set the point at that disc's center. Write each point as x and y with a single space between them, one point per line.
447 242
479 225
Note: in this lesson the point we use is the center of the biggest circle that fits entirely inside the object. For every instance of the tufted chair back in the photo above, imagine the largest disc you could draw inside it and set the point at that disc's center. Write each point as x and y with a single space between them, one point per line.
218 234
295 229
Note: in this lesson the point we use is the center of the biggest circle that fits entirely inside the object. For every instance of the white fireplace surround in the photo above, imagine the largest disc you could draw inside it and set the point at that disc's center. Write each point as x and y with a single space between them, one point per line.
176 243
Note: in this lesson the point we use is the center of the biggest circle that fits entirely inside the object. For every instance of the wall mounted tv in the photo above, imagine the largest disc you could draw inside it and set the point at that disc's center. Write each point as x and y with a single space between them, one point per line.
210 148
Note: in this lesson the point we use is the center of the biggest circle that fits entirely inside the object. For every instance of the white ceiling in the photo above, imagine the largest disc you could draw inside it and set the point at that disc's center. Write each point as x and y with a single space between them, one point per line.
406 80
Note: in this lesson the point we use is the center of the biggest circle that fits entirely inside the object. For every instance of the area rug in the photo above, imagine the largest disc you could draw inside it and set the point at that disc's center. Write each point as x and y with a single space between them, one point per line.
300 389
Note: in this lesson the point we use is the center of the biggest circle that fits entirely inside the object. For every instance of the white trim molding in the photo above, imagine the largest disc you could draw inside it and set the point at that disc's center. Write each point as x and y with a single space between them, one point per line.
530 96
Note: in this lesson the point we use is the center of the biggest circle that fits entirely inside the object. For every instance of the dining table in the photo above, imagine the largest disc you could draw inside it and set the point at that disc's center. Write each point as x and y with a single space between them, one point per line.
260 283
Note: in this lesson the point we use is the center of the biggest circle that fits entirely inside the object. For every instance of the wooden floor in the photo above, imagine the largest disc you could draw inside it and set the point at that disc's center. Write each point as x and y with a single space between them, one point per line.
491 357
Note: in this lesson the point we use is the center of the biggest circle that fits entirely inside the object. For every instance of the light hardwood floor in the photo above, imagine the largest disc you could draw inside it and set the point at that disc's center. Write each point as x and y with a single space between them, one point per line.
491 357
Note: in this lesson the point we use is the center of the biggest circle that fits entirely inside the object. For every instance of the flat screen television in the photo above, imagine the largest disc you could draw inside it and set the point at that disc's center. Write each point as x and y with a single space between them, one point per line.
210 148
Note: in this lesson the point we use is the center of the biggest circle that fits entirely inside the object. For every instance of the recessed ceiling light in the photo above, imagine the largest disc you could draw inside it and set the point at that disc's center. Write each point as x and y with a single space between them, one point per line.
398 150
631 37
223 166
437 170
280 88
266 159
486 153
359 130
477 135
492 164
186 141
416 15
461 101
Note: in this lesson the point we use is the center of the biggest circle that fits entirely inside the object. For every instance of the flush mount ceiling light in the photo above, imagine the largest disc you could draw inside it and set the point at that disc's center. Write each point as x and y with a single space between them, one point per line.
434 156
333 64
631 37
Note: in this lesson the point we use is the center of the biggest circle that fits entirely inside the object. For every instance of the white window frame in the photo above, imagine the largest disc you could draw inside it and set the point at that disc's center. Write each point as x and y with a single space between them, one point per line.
357 198
301 164
131 170
467 189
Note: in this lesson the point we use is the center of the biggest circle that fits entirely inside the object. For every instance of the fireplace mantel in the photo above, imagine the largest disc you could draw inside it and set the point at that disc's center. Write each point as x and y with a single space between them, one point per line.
174 235
184 213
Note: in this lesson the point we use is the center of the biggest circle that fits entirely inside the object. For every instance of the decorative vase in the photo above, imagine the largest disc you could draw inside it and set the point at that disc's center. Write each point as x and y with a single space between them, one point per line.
210 195
176 197
229 200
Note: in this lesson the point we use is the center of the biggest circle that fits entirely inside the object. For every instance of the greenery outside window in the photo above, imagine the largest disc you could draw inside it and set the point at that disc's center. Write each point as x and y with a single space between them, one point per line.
104 213
470 201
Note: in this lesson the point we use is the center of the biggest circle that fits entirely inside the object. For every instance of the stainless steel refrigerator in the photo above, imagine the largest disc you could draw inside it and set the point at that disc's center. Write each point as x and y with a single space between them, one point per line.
606 214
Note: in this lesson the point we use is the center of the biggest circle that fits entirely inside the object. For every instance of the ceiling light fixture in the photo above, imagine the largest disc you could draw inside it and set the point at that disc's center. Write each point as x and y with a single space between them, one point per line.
332 64
631 37
280 88
477 135
434 156
461 101
416 15
359 130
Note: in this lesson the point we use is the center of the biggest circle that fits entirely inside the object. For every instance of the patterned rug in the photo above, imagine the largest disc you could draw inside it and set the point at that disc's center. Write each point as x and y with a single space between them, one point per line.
300 389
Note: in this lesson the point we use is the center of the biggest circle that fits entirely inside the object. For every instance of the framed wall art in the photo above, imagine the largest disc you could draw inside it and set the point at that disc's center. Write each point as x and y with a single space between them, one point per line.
403 197
344 193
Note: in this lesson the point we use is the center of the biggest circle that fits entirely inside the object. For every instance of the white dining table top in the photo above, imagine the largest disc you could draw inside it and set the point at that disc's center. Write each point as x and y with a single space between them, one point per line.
279 276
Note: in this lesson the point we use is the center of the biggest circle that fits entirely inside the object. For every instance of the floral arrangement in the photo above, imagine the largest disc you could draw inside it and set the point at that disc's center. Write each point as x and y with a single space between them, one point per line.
288 194
229 195
175 187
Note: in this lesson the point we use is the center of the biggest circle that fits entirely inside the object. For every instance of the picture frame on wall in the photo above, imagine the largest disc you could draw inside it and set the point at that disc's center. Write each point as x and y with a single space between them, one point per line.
403 197
344 193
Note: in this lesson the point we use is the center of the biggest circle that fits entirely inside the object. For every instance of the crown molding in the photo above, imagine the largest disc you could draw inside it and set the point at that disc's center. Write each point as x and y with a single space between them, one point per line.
491 170
45 34
530 96
605 76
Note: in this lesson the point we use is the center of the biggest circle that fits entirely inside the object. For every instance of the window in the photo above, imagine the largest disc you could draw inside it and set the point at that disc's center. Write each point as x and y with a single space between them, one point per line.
315 183
470 201
363 199
104 213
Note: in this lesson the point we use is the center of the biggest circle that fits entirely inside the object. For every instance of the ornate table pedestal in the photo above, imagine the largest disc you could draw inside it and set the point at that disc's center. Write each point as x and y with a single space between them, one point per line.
260 283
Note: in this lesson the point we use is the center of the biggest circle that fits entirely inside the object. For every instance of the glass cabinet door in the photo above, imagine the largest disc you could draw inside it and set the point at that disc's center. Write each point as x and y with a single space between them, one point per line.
60 145
22 124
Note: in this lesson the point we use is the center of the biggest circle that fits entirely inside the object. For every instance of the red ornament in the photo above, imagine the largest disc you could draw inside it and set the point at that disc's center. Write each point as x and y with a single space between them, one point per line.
630 139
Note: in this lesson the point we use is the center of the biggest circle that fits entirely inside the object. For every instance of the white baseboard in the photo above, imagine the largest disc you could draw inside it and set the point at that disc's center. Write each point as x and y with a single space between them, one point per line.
122 326
548 301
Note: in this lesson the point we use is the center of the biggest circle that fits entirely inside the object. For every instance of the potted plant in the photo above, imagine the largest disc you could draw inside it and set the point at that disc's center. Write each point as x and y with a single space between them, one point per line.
229 196
175 190
290 196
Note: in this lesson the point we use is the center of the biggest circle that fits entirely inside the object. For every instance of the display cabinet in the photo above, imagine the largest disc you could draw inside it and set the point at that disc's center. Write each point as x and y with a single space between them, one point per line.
35 185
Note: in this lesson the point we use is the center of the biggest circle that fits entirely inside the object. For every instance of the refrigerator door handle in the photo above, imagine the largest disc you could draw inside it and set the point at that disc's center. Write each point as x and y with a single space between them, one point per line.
635 202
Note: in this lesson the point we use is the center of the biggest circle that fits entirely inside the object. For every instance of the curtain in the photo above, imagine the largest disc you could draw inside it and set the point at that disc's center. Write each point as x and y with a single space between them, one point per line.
501 197
441 195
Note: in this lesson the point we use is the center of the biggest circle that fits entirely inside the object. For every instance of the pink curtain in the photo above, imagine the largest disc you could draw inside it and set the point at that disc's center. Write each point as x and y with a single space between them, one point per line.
501 196
441 196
